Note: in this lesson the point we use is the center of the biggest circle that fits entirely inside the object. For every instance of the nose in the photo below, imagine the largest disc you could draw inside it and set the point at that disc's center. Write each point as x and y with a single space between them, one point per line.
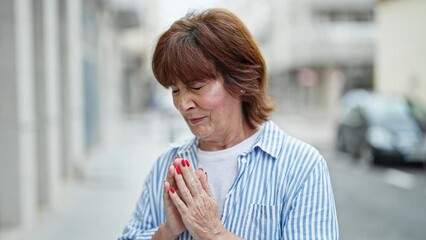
184 101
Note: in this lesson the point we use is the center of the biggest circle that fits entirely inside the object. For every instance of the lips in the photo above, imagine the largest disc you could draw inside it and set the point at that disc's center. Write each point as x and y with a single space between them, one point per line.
195 120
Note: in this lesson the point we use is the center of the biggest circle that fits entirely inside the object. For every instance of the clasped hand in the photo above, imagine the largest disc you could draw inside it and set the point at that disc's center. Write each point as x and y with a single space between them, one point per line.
189 202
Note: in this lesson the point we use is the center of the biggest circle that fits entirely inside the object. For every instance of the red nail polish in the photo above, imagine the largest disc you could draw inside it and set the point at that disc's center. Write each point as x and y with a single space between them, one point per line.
183 163
187 163
178 170
172 190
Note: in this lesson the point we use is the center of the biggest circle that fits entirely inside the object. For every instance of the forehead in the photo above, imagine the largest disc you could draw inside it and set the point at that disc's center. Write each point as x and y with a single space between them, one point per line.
188 65
218 79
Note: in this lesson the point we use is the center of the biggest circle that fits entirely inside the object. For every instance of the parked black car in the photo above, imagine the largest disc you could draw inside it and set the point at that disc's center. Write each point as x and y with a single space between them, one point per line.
379 128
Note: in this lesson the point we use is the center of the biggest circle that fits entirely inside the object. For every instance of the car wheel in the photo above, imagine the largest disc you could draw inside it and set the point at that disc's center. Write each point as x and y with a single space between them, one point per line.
367 156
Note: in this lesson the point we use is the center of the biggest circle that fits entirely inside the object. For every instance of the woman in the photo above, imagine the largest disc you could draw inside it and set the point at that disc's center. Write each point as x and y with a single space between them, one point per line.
253 181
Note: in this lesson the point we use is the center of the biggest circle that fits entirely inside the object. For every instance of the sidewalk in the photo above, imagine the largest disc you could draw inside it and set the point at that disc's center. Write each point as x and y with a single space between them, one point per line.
98 205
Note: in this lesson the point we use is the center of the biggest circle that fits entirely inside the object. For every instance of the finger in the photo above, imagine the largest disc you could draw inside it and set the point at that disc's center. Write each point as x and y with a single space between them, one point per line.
170 174
177 161
180 205
170 178
191 179
200 173
203 176
166 187
185 193
168 203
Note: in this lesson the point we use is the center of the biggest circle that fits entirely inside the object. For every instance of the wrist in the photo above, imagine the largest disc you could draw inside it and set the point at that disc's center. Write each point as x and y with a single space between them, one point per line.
221 233
224 234
166 233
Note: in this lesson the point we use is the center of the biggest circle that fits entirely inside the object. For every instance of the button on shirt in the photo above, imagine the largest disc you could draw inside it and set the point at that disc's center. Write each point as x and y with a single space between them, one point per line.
283 191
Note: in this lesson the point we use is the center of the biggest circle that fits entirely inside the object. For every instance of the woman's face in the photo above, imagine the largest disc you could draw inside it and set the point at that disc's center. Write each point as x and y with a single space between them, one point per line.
210 111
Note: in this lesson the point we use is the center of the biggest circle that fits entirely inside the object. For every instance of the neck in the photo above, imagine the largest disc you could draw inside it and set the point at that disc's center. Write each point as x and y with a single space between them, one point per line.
229 139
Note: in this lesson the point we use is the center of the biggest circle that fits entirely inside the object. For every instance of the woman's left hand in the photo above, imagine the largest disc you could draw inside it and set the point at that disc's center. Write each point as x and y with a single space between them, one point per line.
196 204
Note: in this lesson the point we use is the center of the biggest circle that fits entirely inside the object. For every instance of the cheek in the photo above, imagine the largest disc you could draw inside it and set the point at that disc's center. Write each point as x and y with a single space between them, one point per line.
216 98
215 106
176 103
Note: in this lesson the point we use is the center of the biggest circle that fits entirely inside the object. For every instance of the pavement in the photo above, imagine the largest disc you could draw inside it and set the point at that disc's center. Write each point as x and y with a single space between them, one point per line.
98 204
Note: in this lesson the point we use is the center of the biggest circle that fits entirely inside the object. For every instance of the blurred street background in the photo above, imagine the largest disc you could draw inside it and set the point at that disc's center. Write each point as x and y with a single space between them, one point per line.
82 118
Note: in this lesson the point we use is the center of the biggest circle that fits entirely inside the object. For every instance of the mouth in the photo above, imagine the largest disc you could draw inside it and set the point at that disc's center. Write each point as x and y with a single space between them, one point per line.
195 120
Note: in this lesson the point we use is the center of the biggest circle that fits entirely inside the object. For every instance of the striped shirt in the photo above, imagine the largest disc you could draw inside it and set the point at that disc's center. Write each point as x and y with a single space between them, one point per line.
282 191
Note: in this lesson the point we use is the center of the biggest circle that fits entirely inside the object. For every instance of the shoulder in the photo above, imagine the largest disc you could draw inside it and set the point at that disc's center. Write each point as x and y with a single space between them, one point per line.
289 150
298 149
274 139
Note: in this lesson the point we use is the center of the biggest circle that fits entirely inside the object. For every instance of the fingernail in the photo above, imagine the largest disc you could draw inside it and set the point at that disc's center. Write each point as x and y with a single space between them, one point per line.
178 170
207 176
201 169
172 190
183 163
187 163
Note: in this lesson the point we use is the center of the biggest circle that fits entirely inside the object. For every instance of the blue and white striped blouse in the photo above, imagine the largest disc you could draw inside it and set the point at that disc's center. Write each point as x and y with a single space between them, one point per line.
282 191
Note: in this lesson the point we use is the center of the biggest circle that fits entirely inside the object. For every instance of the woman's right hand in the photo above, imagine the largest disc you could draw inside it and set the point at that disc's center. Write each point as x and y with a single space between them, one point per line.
174 223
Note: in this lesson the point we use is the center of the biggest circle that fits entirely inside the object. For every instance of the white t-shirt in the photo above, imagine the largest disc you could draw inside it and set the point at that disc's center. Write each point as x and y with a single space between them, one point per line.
222 168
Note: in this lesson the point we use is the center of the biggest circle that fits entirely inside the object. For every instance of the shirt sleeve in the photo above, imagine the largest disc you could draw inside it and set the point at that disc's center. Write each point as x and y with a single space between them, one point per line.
313 214
142 224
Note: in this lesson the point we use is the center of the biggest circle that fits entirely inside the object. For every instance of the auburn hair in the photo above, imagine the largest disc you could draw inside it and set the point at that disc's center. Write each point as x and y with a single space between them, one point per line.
213 43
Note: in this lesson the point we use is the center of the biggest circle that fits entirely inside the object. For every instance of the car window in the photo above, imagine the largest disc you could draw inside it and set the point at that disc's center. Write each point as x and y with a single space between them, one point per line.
354 118
419 114
389 111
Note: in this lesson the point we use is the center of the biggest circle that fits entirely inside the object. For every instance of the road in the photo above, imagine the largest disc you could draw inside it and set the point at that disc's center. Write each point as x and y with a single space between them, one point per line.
383 202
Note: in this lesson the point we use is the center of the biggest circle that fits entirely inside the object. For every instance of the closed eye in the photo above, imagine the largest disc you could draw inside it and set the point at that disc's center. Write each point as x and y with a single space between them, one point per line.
197 88
174 88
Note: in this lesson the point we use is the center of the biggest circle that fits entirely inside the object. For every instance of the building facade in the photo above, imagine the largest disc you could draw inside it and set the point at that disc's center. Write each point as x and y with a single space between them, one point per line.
401 48
318 49
60 68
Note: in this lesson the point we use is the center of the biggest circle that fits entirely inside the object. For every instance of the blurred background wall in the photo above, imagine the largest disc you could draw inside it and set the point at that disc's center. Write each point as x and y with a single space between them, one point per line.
65 69
318 49
401 48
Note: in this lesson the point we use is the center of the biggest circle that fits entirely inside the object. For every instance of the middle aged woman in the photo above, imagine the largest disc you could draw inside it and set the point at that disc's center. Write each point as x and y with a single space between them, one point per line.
253 180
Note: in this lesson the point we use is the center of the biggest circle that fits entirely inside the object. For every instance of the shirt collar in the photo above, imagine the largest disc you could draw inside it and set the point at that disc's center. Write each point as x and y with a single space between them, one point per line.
186 146
269 140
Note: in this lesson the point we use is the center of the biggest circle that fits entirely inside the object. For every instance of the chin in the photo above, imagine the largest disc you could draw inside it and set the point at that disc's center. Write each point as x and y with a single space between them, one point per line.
199 132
